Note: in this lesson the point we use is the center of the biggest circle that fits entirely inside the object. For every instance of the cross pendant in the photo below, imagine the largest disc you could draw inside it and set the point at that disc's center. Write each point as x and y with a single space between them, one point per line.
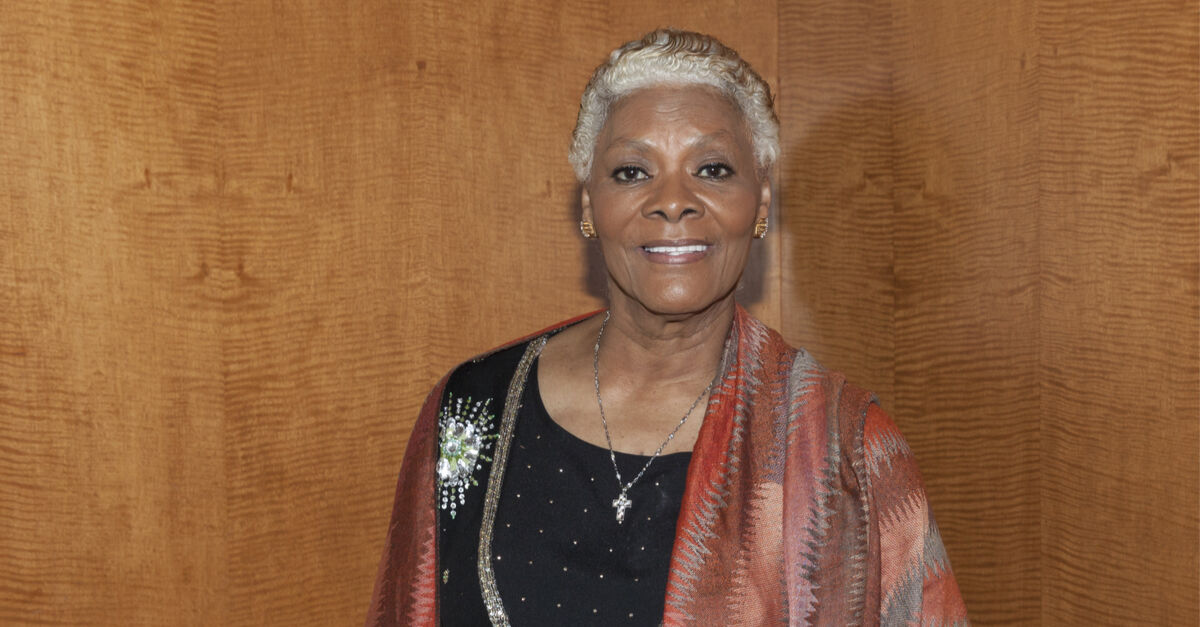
622 503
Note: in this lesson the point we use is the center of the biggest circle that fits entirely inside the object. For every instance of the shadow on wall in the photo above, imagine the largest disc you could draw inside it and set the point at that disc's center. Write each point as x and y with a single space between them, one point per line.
838 175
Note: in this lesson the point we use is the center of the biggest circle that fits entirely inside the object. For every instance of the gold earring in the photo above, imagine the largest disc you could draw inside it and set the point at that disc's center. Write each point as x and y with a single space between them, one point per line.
760 228
588 229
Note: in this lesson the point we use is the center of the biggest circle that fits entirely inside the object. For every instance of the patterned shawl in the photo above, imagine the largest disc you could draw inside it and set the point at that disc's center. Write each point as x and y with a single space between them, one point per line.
803 506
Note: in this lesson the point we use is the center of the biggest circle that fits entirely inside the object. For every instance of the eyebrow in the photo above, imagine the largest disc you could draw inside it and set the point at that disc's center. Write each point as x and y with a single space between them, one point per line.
700 142
629 142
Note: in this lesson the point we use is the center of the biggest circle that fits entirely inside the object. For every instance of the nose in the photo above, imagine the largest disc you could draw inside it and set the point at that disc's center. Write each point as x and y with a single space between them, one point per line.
674 198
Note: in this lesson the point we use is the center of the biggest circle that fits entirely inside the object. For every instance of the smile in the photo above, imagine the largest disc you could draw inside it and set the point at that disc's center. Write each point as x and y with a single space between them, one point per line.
675 250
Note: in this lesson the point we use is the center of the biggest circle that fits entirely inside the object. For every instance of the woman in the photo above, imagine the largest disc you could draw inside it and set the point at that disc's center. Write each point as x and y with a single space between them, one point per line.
670 459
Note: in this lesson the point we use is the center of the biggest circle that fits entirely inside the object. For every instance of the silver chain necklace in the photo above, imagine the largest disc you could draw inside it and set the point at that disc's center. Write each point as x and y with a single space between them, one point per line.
622 502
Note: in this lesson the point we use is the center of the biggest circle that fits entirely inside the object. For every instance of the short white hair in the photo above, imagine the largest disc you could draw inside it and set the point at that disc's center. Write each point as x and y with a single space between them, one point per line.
674 57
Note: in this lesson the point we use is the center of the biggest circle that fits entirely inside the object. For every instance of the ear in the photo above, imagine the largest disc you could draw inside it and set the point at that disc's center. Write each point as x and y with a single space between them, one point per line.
585 204
764 199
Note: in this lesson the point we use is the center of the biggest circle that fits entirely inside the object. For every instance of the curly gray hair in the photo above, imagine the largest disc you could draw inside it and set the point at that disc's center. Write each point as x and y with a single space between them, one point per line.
674 57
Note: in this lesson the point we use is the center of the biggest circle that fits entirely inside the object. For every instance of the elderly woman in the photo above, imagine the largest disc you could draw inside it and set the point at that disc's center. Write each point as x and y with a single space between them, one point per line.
671 459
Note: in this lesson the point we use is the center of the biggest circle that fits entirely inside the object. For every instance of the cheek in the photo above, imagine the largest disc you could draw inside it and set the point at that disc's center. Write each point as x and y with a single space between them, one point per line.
607 211
616 258
737 256
741 214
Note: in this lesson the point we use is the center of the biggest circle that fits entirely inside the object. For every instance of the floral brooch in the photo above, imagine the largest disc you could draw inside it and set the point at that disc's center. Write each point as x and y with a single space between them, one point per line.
466 431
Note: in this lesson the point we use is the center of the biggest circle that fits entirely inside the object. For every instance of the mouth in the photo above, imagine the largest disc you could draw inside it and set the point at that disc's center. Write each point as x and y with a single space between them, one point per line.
676 252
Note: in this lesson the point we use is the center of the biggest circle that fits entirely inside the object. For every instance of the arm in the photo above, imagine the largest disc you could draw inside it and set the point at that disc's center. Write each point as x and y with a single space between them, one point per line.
917 585
406 585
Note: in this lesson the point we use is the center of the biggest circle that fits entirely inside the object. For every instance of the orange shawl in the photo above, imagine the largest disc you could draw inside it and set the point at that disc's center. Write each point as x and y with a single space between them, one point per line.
803 506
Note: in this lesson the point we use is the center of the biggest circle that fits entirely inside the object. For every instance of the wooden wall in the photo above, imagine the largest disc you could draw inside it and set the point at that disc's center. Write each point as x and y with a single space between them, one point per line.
239 242
993 219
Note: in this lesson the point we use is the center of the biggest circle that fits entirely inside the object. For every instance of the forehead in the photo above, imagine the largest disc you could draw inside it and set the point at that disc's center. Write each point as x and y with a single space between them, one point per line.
696 108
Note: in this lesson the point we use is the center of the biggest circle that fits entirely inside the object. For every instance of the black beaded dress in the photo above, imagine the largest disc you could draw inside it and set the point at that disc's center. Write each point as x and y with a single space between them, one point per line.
558 554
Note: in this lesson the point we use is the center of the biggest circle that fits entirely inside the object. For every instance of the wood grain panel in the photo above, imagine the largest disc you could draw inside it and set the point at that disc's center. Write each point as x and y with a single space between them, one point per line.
330 229
1037 205
1120 242
111 482
244 241
966 269
835 108
910 262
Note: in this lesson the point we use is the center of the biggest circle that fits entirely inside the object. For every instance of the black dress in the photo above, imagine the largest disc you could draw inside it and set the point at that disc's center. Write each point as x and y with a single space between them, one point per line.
559 555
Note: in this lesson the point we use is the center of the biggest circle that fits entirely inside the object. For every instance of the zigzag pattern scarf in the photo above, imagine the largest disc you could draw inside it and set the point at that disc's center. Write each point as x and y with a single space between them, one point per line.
803 506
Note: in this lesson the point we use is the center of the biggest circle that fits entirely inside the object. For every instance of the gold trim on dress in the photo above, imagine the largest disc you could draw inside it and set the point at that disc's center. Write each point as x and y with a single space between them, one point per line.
508 422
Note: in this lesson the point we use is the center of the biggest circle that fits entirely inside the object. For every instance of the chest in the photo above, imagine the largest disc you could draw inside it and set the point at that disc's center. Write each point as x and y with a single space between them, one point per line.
637 418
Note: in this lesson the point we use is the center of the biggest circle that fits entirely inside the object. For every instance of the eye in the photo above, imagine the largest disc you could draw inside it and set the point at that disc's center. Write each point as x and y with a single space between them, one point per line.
715 170
629 174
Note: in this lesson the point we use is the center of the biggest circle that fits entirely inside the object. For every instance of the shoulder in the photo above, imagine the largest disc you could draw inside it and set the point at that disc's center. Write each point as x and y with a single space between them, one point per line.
793 376
813 398
489 373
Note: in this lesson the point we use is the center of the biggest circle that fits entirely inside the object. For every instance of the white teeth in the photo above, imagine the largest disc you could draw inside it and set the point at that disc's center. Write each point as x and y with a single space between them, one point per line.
676 250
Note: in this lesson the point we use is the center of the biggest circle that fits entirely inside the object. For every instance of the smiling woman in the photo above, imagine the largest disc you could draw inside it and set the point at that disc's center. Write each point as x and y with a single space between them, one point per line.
672 460
674 192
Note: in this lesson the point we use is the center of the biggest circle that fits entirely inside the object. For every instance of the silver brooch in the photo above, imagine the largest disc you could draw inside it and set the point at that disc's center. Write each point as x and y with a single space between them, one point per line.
466 431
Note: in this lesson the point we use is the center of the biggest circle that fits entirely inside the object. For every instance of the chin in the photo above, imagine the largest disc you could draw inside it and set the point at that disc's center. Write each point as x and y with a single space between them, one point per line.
682 302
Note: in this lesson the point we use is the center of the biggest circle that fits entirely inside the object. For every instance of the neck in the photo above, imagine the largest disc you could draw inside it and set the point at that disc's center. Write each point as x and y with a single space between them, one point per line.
653 347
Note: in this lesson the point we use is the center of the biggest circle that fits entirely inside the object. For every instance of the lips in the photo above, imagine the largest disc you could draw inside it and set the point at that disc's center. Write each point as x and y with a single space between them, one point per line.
675 250
684 251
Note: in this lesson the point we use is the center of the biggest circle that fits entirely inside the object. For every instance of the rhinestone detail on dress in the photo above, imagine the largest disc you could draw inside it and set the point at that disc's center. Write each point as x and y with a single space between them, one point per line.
466 432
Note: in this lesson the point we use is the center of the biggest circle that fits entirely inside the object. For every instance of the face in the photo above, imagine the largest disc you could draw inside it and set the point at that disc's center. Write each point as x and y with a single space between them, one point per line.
674 193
